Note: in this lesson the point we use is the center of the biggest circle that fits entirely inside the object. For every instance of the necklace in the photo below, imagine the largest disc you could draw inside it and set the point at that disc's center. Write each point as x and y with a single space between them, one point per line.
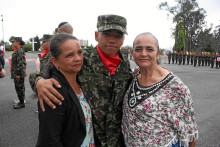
138 93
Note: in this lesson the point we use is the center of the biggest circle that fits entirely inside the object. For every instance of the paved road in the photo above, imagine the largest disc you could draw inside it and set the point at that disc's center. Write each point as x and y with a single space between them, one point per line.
19 128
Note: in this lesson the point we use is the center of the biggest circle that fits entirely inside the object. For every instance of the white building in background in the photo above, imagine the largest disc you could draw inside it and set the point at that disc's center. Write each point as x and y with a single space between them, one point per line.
84 42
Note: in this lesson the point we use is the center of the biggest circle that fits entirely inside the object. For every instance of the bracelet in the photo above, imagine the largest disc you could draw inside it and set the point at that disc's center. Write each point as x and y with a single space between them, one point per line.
38 78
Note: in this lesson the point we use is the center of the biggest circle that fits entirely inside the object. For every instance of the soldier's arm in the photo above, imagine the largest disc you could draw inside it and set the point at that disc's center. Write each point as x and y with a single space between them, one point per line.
44 87
46 92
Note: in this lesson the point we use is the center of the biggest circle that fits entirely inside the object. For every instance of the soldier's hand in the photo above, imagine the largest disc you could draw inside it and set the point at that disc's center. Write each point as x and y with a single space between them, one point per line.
46 92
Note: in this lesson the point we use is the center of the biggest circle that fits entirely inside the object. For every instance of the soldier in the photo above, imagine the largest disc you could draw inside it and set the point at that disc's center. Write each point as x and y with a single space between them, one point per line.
184 58
203 58
44 58
188 58
104 78
176 57
173 57
195 58
191 58
212 59
199 59
169 57
206 58
18 70
180 57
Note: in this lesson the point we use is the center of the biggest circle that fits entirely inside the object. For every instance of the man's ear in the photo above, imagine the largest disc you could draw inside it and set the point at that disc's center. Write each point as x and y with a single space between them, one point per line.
96 35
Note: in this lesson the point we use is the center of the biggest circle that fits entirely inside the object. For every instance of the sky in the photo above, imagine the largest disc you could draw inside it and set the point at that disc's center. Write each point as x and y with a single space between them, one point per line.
28 18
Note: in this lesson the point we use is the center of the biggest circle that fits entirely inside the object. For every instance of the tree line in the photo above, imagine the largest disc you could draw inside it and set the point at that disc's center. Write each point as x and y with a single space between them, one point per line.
191 33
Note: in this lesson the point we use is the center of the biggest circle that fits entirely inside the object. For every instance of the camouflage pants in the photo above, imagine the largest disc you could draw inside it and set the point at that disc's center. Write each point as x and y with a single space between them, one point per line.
32 78
20 89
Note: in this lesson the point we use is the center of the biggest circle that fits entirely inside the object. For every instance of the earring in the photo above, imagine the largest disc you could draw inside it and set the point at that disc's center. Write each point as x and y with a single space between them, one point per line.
58 68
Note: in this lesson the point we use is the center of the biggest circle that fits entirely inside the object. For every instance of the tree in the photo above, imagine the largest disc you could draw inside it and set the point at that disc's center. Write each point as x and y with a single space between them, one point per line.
190 14
179 37
203 41
216 39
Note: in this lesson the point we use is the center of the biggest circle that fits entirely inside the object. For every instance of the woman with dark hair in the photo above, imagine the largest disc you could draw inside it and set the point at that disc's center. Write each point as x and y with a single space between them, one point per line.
158 107
70 124
18 70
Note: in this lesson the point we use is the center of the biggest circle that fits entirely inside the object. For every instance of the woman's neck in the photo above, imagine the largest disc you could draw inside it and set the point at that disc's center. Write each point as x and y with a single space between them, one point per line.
152 75
71 78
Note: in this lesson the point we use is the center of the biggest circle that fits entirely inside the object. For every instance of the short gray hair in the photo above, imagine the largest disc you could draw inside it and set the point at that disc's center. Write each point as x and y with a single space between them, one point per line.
146 33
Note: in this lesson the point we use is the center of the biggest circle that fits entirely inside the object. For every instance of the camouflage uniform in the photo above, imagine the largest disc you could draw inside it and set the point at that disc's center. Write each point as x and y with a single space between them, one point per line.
176 57
203 59
206 60
188 58
199 59
173 57
105 94
209 57
34 75
169 57
195 58
180 58
191 58
212 59
184 58
18 68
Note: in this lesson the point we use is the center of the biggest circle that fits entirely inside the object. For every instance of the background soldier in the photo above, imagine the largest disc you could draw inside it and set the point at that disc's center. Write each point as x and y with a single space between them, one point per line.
208 56
212 59
18 70
169 57
199 59
180 58
203 58
206 59
188 57
173 57
191 57
184 58
176 56
195 58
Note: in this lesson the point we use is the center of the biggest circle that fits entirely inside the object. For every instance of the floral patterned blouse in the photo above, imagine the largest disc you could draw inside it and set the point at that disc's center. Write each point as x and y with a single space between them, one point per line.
159 115
89 139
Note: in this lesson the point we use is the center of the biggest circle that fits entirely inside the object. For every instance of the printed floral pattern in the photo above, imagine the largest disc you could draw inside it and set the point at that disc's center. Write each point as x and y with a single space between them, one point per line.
162 119
89 139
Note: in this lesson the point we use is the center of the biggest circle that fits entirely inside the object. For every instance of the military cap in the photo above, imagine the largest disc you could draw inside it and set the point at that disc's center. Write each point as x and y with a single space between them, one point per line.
109 22
18 39
46 37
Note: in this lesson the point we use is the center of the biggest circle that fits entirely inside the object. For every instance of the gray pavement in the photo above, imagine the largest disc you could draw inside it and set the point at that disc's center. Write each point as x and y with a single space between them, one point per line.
19 128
